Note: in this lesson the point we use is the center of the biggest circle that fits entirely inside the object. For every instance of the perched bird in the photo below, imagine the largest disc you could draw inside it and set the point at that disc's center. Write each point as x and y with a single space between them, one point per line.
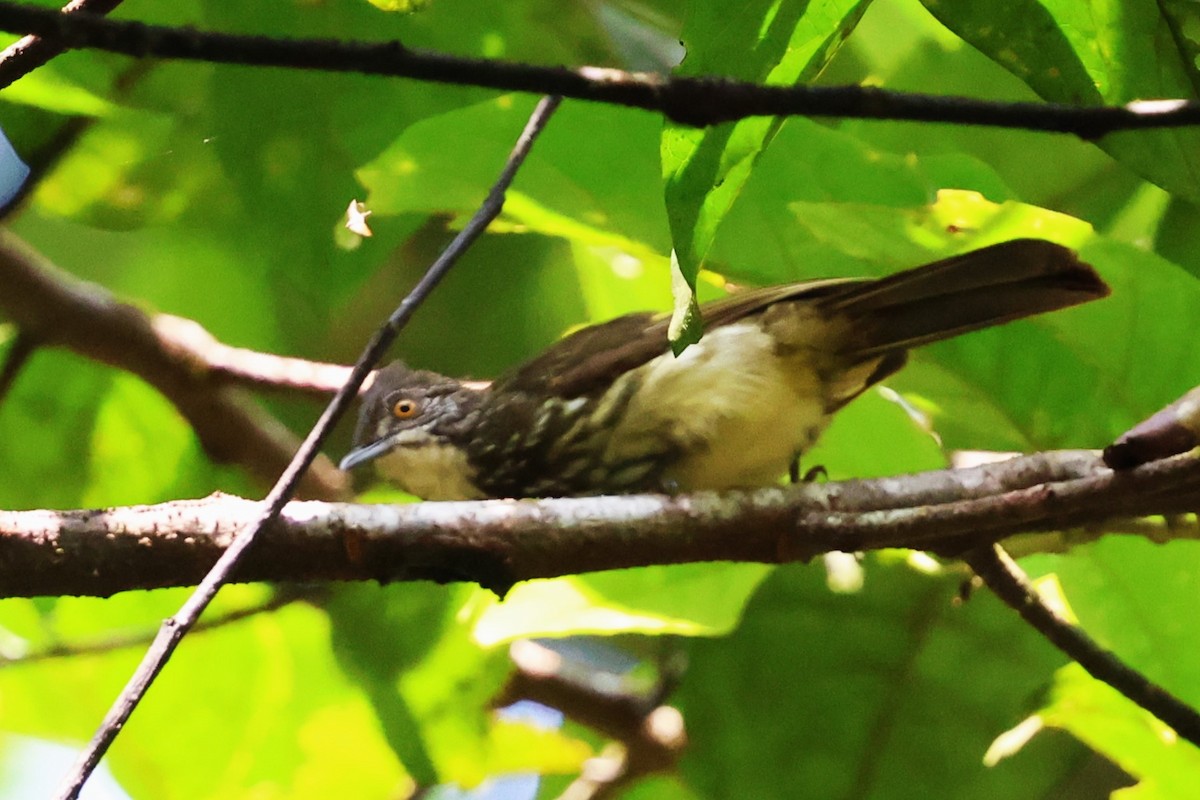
610 410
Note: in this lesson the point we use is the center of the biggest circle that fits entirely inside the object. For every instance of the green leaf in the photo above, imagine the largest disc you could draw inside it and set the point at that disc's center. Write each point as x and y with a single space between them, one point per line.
760 240
900 46
50 412
401 6
48 89
1093 52
1135 598
894 691
130 172
1178 235
777 42
657 787
690 600
446 163
516 748
610 218
874 436
1133 739
267 727
410 648
138 448
377 638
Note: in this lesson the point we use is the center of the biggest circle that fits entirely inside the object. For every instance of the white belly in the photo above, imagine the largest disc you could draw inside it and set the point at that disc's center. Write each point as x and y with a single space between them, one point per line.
740 411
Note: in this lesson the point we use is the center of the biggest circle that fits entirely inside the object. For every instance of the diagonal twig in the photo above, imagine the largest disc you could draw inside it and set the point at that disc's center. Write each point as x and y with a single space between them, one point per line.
174 628
1010 583
30 52
651 735
122 641
24 56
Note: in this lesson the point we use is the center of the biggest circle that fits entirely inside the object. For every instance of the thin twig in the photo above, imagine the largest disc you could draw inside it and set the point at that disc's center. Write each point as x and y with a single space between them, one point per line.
1010 583
692 101
122 641
176 627
30 52
49 152
1174 429
19 59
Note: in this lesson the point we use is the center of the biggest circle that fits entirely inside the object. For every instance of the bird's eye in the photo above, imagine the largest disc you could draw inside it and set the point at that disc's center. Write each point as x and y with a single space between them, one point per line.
405 409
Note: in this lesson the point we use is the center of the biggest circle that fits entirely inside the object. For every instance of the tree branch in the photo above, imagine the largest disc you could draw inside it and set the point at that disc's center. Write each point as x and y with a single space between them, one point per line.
221 363
651 736
54 309
692 101
499 542
27 54
124 641
1174 429
1009 582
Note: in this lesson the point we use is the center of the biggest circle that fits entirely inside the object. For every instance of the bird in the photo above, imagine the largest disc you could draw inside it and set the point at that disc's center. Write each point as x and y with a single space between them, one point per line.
610 409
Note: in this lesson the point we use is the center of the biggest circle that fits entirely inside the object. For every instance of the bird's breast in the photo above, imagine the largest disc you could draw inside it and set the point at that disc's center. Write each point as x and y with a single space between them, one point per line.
732 408
432 471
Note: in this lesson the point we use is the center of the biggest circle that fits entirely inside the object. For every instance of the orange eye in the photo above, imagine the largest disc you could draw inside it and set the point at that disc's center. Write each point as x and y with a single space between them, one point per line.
405 409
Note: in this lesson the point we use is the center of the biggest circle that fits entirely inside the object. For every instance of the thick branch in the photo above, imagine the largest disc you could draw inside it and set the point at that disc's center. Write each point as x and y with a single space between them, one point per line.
499 542
188 340
53 309
692 101
1175 429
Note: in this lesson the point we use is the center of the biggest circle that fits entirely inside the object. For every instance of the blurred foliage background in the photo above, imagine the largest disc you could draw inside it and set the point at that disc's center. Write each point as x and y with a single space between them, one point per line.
217 193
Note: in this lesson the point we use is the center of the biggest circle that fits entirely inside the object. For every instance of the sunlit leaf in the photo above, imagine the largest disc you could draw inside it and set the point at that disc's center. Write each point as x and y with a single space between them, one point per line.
1086 53
704 169
688 600
895 690
1097 714
401 6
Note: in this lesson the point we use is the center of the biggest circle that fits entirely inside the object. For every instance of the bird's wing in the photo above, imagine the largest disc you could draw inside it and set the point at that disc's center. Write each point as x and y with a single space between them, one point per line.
590 359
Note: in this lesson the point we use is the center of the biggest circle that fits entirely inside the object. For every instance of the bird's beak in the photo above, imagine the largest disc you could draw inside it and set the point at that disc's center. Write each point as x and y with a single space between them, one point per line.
368 452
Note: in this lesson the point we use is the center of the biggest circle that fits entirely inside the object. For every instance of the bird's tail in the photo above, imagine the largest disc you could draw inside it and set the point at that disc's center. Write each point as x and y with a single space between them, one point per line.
975 290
